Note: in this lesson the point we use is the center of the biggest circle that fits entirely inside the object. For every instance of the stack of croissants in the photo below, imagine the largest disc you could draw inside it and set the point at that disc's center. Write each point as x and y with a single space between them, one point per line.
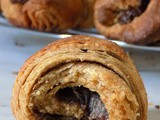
132 21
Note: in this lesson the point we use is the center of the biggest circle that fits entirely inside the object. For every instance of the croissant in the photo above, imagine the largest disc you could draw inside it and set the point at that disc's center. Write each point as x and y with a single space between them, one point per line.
79 78
132 21
0 5
49 15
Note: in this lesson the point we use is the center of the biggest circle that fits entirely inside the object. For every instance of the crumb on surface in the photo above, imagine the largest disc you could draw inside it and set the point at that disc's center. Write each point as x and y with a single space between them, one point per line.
157 106
15 72
19 44
150 104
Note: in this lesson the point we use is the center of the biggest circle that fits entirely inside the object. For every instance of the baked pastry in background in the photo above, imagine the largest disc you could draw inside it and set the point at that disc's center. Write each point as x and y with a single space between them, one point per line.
87 21
0 5
49 15
132 21
79 78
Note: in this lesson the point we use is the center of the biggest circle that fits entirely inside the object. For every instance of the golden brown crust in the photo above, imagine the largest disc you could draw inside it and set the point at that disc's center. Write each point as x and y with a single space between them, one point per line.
0 5
48 15
118 84
143 29
87 22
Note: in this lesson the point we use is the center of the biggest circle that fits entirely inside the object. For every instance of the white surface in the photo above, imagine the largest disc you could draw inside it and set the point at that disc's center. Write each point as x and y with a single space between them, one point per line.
17 45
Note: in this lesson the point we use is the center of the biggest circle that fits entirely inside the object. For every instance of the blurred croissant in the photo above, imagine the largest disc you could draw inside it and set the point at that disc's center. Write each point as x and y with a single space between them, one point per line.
49 15
132 21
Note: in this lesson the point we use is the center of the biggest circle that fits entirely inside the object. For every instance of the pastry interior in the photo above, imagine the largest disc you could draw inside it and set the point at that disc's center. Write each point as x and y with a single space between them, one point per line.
109 17
59 95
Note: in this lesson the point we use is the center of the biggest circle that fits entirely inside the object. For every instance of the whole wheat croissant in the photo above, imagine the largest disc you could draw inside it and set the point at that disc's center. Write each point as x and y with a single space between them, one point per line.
79 78
132 21
49 15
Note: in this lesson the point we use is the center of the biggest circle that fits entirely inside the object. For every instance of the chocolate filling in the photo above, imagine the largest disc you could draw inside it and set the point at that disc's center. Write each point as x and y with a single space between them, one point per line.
107 16
126 16
144 5
89 101
19 1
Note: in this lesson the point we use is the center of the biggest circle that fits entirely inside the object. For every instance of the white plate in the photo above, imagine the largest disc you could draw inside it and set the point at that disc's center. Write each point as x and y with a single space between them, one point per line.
92 32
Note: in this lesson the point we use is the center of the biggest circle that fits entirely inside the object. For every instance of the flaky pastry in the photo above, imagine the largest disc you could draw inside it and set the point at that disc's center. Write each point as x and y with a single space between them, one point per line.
79 78
132 21
49 15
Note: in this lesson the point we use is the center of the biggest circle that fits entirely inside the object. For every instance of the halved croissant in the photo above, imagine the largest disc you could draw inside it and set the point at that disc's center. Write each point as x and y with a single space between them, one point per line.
49 15
133 21
79 78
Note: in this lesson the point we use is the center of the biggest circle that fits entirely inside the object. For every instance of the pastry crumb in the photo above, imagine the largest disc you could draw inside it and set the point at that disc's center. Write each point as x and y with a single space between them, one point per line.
19 44
150 104
157 106
15 72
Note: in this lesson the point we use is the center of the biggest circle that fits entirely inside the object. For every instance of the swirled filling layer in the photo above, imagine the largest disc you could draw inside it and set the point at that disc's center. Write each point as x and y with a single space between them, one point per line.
89 102
59 94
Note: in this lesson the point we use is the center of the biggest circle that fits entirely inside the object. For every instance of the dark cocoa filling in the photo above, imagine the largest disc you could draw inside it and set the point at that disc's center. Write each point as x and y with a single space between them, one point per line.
126 16
19 1
89 101
144 4
107 17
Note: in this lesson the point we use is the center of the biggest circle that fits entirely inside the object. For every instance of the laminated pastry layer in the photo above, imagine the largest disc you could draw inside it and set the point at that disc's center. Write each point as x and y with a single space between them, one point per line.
130 21
80 64
49 15
70 91
87 21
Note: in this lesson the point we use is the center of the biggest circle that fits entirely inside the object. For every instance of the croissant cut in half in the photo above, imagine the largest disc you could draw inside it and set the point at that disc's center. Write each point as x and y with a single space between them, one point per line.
132 21
79 78
49 15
